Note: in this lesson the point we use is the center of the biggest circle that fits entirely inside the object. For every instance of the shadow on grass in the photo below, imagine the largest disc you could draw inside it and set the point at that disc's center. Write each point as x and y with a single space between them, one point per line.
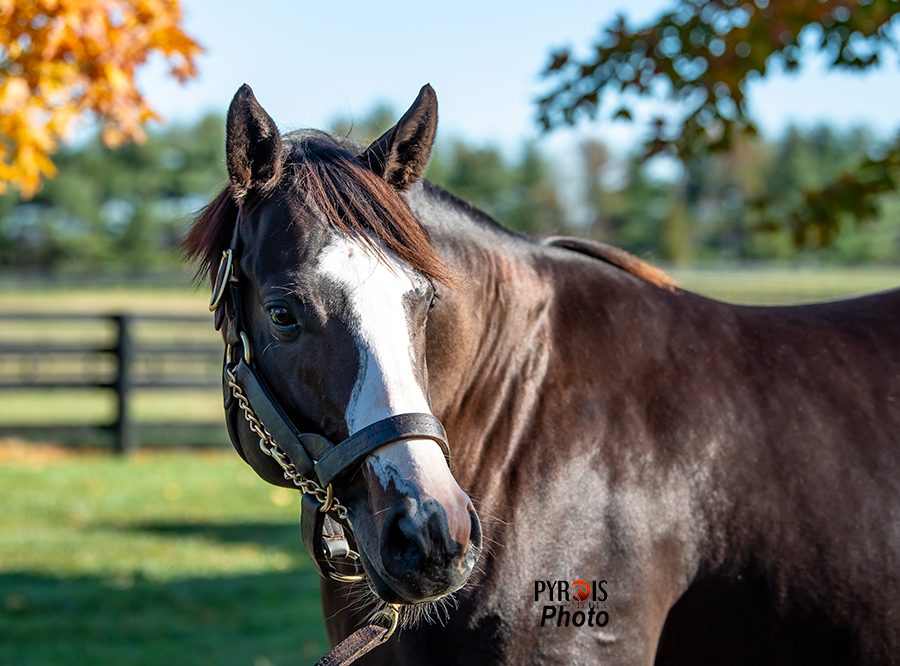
265 619
258 620
265 534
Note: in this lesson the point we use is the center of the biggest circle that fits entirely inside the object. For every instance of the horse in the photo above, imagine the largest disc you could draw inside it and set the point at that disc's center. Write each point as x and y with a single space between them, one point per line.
636 474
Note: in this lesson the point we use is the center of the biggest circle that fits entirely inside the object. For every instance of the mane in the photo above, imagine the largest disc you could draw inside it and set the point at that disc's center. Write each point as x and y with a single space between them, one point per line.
359 203
352 199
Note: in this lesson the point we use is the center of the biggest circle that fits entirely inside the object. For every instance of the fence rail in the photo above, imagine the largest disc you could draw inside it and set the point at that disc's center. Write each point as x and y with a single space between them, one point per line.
110 352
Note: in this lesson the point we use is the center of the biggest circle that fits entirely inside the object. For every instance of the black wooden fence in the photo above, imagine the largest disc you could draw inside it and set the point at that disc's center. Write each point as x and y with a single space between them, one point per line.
113 352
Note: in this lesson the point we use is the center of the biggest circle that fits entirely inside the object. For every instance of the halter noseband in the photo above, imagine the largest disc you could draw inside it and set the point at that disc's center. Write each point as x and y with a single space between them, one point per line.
310 460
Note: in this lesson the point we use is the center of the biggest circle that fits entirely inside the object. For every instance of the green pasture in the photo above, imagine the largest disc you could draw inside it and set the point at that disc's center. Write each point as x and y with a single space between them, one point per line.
162 558
159 559
786 285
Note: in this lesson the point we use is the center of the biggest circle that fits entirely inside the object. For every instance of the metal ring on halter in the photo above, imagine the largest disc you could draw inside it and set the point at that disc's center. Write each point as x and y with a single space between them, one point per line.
223 277
347 578
392 614
246 344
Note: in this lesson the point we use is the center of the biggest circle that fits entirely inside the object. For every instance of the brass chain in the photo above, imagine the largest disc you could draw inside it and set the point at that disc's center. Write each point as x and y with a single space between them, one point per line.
324 496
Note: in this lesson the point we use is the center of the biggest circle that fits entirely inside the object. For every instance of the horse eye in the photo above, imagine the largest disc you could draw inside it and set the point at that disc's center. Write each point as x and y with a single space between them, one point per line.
281 317
431 305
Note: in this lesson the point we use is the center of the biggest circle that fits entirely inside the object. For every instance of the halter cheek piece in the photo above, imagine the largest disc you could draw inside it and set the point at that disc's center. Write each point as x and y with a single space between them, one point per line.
310 460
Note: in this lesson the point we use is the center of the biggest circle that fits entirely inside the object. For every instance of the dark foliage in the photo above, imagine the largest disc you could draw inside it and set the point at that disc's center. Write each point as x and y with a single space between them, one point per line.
702 54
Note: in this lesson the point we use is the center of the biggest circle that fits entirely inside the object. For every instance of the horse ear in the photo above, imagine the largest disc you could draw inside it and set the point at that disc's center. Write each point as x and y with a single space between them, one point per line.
252 144
401 154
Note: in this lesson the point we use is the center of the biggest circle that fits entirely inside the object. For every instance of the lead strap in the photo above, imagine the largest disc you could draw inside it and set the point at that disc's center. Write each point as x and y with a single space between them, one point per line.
362 640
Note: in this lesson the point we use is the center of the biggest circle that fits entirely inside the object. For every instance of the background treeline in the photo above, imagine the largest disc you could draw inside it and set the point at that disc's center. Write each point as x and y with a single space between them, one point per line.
115 209
127 209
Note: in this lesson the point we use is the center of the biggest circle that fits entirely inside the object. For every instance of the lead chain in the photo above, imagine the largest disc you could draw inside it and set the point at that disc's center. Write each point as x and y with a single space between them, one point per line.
324 496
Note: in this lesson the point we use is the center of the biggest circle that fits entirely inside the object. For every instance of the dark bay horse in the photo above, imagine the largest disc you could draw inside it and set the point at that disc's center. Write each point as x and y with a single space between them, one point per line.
662 478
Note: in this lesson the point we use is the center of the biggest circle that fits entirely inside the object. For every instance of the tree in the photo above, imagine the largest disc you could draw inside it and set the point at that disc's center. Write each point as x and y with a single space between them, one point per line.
120 209
518 191
702 54
63 60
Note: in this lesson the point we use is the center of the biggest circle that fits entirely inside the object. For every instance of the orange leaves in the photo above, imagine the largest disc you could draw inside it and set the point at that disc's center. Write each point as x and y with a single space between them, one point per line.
66 59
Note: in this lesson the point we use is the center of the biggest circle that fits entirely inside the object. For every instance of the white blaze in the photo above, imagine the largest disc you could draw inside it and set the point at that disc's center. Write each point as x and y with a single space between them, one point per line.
386 384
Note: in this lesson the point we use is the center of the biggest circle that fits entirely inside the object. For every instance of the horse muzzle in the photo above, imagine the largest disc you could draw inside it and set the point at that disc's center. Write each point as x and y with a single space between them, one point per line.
416 559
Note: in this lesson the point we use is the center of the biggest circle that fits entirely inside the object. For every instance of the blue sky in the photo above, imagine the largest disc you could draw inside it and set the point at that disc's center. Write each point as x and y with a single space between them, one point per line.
310 61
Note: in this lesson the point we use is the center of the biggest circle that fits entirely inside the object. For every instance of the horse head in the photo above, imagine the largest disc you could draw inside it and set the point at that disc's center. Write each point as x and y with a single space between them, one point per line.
334 281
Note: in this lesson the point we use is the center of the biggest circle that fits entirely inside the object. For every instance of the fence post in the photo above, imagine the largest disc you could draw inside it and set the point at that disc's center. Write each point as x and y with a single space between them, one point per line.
124 427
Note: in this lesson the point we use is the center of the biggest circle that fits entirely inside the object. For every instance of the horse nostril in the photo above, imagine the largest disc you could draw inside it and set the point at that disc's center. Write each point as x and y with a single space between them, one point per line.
418 553
402 553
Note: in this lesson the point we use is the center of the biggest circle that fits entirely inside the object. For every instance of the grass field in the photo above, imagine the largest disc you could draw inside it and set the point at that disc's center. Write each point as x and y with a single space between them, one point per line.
160 559
782 285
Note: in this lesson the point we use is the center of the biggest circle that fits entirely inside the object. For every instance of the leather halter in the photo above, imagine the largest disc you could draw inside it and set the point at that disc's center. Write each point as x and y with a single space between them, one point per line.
314 456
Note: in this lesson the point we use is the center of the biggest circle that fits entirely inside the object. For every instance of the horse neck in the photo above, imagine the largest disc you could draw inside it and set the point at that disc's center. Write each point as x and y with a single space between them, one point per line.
490 329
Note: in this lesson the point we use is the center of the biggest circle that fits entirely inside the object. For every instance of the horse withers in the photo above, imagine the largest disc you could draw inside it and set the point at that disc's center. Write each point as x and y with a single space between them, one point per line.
662 477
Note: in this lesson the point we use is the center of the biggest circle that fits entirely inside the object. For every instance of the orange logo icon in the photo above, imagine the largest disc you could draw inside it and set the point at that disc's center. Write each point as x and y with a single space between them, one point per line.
581 590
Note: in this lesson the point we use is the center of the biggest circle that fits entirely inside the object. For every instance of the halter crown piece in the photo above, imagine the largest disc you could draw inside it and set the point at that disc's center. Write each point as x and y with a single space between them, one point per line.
309 460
